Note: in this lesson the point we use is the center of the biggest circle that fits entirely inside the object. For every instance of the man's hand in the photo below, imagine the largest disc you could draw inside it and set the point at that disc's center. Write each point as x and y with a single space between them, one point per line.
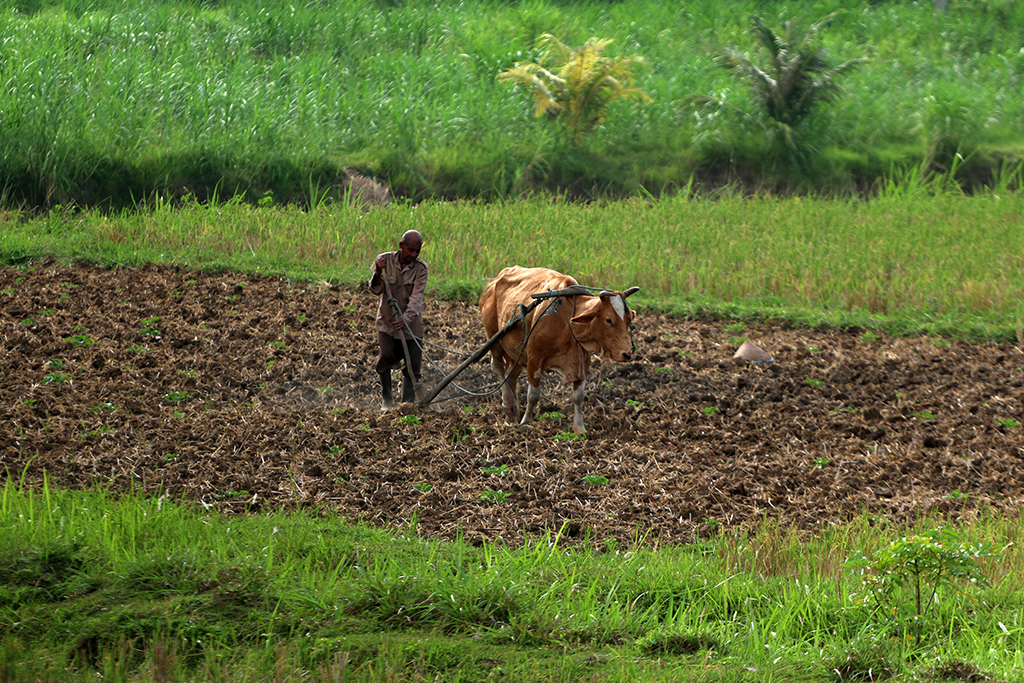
399 323
378 265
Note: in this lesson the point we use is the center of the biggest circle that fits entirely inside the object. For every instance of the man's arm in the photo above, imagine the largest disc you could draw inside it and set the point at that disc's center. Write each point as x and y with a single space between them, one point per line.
414 310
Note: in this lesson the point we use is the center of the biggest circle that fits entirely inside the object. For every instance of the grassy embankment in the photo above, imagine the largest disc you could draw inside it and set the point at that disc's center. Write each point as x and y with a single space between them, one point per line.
147 590
125 101
912 262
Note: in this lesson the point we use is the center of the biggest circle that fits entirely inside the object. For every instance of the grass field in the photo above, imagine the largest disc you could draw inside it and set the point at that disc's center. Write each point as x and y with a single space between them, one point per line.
121 102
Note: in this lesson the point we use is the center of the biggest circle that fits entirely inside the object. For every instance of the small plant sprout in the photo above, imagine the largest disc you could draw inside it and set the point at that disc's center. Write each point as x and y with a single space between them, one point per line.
814 382
553 415
138 350
738 341
709 410
104 408
957 494
595 480
410 420
869 337
365 428
176 396
570 436
56 363
821 463
80 340
734 328
423 487
923 563
924 415
813 349
498 471
635 404
494 497
56 378
1007 423
277 344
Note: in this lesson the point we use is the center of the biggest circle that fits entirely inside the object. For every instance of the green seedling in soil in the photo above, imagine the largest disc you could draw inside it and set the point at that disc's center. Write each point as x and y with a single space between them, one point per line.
570 436
176 396
104 408
423 487
365 428
957 494
149 332
553 415
28 322
138 350
80 340
1007 422
814 382
277 344
925 563
595 480
738 341
821 463
149 322
56 378
813 349
170 457
709 410
56 363
924 415
237 494
494 497
635 404
498 471
410 420
734 328
869 337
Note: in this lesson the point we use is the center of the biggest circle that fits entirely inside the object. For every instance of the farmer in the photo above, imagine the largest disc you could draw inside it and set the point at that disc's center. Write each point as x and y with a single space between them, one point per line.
404 275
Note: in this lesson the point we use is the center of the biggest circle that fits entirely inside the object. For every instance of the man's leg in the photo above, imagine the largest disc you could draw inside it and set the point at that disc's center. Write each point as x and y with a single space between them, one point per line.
385 362
416 358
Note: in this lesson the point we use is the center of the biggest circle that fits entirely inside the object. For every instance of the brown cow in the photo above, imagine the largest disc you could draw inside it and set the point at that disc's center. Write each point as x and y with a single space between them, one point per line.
560 334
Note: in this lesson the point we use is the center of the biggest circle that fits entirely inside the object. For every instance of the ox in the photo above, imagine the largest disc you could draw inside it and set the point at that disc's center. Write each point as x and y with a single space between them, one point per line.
558 335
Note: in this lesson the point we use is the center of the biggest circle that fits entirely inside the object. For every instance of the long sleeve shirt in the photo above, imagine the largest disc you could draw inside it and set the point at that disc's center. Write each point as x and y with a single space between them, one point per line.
408 285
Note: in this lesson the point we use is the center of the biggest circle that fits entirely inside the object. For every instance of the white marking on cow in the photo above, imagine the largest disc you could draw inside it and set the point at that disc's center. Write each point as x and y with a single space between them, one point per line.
619 305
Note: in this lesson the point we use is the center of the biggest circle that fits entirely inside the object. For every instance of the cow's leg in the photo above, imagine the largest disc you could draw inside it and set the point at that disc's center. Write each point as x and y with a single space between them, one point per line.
532 398
508 389
577 406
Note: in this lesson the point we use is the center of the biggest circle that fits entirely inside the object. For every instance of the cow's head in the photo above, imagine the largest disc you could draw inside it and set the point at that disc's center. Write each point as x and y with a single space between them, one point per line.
604 324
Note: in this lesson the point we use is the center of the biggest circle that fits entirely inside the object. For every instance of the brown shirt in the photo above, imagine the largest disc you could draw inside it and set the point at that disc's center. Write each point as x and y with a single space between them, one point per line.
408 286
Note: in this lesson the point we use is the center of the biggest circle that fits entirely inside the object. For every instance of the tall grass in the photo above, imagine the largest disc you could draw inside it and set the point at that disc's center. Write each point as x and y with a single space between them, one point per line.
144 589
911 261
120 101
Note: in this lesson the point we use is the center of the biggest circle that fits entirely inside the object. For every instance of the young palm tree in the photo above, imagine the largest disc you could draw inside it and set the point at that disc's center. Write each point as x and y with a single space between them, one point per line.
798 75
579 85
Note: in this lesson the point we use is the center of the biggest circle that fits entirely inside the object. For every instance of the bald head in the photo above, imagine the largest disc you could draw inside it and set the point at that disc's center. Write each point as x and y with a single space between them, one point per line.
409 247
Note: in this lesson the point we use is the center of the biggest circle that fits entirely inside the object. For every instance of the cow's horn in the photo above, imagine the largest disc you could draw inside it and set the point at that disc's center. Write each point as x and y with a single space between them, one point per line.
605 292
631 290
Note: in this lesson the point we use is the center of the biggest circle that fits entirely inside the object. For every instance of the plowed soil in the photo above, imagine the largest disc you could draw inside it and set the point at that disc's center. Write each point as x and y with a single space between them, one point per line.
250 393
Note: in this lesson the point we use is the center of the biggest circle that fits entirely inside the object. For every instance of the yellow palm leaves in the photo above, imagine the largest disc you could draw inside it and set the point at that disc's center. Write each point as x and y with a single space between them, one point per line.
579 85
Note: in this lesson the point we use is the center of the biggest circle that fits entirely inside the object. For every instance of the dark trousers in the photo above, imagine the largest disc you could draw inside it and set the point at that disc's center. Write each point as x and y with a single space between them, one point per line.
392 355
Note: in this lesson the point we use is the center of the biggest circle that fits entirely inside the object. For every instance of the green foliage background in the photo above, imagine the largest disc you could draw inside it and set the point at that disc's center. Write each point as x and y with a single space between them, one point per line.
117 101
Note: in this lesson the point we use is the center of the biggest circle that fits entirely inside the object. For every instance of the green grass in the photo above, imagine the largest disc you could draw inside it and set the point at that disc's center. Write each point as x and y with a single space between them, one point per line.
148 589
125 102
916 262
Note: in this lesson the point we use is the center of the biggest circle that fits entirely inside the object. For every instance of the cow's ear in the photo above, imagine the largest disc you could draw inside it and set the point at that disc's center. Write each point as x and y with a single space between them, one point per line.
586 311
632 314
584 319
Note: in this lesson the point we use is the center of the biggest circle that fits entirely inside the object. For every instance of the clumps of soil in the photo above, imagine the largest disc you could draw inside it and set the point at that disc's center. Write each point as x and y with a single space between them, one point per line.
248 393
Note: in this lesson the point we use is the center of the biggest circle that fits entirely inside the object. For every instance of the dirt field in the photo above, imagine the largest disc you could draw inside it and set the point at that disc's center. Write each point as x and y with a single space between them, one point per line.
249 393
